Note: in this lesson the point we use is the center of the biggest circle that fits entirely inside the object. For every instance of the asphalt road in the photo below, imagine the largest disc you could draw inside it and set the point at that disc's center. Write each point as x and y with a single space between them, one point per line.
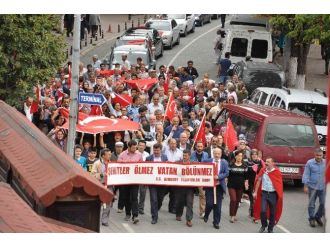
198 47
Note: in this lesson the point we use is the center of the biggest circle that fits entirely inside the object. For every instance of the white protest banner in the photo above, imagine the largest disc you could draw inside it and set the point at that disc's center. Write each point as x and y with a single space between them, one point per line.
162 173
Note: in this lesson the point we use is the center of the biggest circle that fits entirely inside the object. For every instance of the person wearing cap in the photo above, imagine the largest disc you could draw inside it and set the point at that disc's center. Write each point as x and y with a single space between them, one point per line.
96 62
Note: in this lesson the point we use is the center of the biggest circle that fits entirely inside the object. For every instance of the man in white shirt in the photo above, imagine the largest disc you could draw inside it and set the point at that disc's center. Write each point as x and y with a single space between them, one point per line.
125 64
155 105
173 155
27 108
96 62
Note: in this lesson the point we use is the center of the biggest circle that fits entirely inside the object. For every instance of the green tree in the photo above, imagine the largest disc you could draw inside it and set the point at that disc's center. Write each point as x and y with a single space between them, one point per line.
302 30
30 53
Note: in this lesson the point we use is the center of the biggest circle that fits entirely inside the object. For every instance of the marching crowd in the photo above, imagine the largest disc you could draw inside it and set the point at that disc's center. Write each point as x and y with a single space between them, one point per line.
241 171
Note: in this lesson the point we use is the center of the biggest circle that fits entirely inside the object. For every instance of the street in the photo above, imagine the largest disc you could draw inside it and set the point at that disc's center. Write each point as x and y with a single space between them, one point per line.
198 47
293 220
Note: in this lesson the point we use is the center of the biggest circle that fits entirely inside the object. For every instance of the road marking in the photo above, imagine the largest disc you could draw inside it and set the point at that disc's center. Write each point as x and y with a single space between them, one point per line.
279 226
190 43
128 228
283 228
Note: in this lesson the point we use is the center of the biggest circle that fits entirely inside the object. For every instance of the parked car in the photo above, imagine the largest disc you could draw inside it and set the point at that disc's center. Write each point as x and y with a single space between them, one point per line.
257 74
201 19
133 52
289 138
186 22
313 104
248 41
150 35
168 30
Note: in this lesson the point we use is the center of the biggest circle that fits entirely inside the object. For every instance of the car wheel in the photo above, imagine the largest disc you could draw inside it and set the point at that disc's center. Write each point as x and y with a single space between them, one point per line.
193 29
161 51
178 41
185 32
171 45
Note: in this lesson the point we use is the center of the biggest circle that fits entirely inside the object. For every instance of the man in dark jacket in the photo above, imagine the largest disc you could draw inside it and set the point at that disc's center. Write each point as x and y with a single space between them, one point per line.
222 172
156 192
192 70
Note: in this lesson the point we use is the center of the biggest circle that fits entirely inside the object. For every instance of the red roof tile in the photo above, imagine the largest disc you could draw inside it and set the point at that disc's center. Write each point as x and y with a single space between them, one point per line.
17 216
44 170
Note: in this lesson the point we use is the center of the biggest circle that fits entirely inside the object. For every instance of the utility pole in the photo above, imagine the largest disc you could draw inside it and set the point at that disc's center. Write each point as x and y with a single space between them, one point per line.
74 87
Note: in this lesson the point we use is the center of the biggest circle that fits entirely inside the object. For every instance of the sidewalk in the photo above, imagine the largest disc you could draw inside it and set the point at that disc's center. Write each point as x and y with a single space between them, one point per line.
112 26
315 77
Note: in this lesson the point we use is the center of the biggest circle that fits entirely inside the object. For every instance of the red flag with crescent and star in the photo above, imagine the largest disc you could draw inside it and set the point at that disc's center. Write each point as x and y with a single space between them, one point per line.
170 108
200 134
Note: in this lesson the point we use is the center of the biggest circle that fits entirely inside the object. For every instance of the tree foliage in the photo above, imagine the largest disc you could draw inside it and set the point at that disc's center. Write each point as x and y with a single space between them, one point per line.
303 28
30 53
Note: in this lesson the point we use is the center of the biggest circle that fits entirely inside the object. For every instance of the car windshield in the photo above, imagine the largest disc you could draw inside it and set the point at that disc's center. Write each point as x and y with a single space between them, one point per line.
160 25
292 135
177 16
315 111
131 57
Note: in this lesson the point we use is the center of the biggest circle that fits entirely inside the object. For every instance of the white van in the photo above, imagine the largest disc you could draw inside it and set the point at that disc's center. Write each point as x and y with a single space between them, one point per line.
253 41
305 102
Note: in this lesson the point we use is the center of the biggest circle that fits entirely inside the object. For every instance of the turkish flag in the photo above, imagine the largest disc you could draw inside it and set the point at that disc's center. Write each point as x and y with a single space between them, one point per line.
60 96
95 110
106 73
200 134
230 136
143 84
65 113
99 124
123 99
35 103
170 108
276 178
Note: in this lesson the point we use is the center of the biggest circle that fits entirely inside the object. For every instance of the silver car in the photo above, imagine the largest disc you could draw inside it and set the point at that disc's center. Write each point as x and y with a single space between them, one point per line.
168 30
186 22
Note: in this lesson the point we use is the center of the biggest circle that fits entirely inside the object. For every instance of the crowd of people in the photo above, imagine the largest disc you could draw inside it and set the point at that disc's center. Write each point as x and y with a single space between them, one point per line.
159 138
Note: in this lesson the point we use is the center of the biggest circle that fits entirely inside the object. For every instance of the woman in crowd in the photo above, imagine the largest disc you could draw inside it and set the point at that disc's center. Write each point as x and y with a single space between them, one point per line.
237 181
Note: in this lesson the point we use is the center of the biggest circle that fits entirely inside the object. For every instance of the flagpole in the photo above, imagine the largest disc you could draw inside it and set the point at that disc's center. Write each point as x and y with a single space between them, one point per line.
74 87
198 131
215 185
